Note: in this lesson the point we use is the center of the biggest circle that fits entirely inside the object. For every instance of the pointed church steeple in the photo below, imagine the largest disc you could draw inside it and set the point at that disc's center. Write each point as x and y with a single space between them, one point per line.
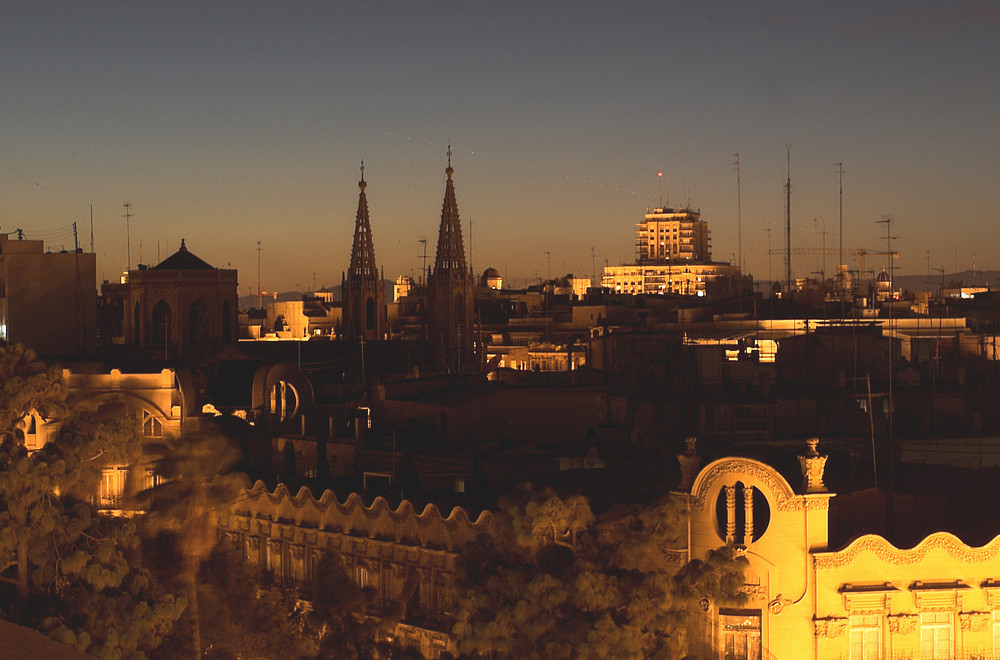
363 292
450 249
450 290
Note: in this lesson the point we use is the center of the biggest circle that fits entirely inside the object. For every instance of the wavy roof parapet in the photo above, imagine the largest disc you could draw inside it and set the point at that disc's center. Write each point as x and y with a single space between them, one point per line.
429 528
886 551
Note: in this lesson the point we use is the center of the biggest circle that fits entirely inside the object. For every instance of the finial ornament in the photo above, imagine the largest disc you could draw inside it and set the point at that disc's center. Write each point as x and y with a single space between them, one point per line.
361 184
812 464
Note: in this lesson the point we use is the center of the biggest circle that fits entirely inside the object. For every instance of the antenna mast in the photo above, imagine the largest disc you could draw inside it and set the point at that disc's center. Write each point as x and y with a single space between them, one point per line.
788 219
259 292
91 227
840 263
739 214
128 233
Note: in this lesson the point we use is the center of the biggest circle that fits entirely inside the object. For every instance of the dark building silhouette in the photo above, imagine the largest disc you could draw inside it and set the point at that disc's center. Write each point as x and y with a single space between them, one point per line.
450 290
362 288
182 307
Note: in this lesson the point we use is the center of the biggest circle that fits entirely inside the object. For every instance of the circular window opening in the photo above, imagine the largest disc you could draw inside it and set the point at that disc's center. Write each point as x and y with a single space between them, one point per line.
759 518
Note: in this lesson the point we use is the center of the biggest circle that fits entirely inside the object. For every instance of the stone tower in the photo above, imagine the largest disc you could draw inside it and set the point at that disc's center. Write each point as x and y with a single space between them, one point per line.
450 290
362 289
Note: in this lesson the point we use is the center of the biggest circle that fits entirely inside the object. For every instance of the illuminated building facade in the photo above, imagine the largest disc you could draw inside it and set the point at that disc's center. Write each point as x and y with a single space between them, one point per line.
939 599
162 404
868 599
671 234
48 300
672 256
686 279
363 291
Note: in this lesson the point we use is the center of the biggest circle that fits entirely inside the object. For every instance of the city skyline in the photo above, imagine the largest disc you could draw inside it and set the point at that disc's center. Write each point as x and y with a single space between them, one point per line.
227 124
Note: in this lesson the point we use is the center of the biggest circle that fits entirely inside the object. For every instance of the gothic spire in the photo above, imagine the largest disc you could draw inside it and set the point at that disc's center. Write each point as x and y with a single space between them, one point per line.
450 250
363 254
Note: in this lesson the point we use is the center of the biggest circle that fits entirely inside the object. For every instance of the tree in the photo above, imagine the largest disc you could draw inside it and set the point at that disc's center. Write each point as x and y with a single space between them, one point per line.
66 571
556 581
239 618
184 507
338 614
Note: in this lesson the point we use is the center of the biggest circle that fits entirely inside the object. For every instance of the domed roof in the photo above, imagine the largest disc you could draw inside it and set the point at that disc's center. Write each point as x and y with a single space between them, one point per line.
882 277
491 272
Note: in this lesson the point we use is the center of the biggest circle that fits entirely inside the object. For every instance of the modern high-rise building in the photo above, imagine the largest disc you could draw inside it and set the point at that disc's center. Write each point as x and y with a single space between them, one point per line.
673 255
672 234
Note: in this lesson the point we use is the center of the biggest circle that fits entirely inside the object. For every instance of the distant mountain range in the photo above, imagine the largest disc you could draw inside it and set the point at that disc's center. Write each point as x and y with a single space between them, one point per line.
933 282
248 302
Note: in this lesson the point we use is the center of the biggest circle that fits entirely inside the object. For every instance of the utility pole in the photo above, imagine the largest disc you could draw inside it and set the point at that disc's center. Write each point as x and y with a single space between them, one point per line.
128 233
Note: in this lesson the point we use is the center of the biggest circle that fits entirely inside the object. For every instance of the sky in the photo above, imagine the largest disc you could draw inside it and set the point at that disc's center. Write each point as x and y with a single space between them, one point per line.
236 124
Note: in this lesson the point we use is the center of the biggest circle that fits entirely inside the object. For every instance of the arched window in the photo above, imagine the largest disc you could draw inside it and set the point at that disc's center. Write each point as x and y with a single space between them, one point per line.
284 400
161 324
742 514
198 322
151 426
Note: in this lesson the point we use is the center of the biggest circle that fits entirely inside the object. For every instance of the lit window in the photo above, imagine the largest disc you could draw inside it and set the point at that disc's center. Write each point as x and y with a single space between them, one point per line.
866 636
151 426
936 638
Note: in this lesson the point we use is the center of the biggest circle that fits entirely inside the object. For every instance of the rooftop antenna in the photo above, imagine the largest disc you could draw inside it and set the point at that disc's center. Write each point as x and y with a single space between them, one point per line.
788 218
739 214
840 171
660 177
423 267
259 292
128 234
91 228
593 266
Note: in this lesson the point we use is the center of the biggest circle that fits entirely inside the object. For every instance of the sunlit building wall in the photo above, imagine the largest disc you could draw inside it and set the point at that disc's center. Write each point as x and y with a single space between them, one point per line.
686 279
675 235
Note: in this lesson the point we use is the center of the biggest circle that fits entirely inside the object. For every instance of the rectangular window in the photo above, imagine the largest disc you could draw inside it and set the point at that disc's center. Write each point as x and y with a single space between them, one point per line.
866 637
996 632
936 635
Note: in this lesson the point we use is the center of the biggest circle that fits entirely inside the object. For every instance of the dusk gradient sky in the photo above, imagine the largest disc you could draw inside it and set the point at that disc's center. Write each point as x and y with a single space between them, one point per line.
228 123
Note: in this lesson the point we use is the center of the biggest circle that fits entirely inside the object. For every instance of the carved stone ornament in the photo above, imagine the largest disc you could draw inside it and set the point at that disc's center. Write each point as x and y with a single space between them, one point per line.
690 462
776 606
812 468
760 475
830 627
705 604
890 554
754 591
974 621
902 624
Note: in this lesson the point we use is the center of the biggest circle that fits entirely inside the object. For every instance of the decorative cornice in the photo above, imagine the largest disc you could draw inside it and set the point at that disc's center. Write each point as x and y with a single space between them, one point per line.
890 554
327 514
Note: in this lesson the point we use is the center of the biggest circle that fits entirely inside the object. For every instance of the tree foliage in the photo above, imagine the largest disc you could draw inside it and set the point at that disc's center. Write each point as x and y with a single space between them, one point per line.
556 581
197 483
66 570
